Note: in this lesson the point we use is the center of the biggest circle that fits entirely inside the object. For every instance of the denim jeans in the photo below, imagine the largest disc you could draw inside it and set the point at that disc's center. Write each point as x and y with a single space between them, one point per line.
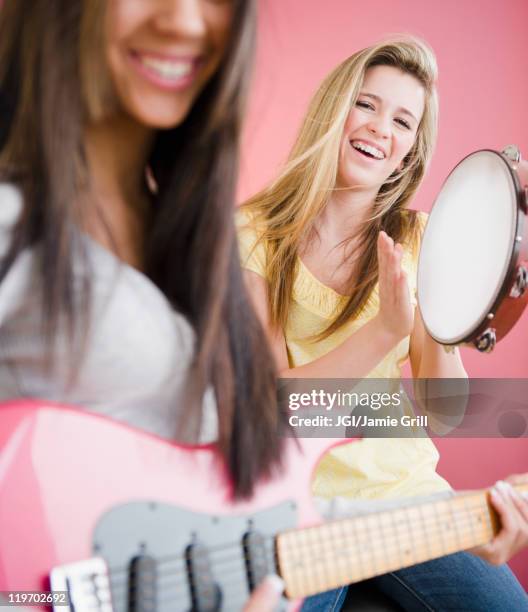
459 582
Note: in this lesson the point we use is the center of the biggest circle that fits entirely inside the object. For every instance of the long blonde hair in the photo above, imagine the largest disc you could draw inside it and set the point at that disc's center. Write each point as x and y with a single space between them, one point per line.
285 211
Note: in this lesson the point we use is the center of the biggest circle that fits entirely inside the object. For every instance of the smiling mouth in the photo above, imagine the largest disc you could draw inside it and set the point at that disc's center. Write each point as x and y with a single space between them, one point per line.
367 150
165 70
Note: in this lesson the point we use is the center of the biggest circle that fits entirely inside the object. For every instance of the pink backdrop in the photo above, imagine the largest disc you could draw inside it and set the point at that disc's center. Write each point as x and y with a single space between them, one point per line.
482 50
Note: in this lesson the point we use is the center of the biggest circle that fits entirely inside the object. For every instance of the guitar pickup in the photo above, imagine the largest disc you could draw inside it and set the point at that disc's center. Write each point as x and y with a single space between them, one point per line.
256 558
205 593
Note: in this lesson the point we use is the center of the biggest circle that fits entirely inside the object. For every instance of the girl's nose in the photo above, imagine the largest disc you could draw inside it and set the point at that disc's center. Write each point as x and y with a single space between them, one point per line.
380 126
180 17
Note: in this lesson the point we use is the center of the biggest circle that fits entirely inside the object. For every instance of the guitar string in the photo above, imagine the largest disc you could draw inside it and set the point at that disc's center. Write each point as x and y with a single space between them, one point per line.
328 553
358 540
165 588
167 592
234 558
174 588
180 557
236 579
323 557
229 581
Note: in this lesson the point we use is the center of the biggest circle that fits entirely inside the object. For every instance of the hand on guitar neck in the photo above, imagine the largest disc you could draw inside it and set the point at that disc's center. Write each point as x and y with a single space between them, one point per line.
512 510
266 596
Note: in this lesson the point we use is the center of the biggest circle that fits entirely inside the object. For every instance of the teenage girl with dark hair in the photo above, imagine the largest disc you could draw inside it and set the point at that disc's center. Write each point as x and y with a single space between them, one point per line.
120 286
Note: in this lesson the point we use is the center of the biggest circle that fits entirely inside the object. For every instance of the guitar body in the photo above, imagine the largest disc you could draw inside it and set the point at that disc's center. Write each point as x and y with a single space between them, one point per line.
74 486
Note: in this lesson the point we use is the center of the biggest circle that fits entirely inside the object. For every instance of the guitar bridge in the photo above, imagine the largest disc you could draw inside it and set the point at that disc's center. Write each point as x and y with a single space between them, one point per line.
87 584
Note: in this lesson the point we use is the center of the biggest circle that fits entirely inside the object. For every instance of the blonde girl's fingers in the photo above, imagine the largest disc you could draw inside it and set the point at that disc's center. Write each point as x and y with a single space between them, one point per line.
506 536
395 271
388 245
398 252
503 504
518 479
404 296
380 245
382 262
390 268
392 274
379 250
519 501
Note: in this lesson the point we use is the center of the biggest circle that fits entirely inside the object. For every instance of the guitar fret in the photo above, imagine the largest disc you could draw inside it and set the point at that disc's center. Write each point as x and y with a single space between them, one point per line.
383 538
372 529
393 517
406 539
321 543
425 534
416 535
456 530
361 572
311 549
344 553
321 537
448 535
338 567
465 524
486 522
402 536
438 523
474 538
357 548
412 545
489 525
290 544
368 548
306 550
346 559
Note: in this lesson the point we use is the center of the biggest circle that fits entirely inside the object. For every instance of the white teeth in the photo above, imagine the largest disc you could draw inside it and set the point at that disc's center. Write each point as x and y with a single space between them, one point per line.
167 69
368 149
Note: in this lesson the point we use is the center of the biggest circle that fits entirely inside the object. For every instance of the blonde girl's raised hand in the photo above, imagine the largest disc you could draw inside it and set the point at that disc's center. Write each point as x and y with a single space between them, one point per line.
396 313
358 354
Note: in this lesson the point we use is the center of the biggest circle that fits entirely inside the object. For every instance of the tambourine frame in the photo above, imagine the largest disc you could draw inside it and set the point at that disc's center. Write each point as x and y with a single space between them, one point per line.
505 309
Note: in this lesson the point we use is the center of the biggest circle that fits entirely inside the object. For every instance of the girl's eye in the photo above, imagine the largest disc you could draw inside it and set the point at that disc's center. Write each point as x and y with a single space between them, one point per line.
403 123
363 104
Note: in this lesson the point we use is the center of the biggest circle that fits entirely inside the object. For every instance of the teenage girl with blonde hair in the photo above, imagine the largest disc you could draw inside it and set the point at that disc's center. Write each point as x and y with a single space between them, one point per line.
330 252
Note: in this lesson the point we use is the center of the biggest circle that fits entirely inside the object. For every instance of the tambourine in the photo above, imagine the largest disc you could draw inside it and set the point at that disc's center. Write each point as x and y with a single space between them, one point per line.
473 265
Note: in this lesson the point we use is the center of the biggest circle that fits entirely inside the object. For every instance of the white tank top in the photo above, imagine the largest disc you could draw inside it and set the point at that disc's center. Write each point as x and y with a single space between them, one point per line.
138 352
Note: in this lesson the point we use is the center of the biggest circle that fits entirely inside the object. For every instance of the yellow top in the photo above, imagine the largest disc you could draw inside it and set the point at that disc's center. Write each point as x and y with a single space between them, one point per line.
373 467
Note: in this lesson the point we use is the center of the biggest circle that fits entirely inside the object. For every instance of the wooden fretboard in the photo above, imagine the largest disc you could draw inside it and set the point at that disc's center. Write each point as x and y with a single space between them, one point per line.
341 552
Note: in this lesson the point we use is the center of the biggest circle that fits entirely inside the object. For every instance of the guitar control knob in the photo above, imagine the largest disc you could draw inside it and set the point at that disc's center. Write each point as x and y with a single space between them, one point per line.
486 342
519 285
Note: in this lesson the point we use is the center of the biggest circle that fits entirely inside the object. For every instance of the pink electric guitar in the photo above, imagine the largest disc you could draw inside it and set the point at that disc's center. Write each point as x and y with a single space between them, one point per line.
121 520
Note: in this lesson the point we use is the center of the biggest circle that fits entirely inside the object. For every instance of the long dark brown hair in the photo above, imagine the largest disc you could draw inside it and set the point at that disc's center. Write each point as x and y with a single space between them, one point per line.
47 56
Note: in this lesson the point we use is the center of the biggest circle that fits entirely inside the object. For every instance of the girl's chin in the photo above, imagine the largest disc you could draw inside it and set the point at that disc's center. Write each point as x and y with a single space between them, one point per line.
158 116
360 180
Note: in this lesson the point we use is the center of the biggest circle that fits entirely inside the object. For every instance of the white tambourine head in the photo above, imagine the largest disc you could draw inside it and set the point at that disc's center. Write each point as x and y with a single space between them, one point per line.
466 247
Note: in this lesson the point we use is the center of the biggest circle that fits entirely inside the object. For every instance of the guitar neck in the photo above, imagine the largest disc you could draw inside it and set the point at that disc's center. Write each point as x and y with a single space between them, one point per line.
349 550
